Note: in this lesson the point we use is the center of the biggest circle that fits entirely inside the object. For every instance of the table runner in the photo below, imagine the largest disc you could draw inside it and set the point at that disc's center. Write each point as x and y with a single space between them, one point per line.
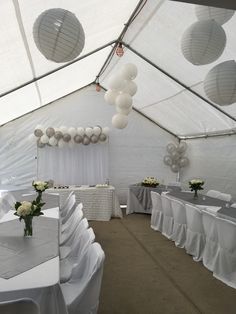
207 201
18 253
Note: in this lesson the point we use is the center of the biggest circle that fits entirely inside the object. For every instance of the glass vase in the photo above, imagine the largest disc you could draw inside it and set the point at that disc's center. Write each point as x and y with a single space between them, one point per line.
28 230
195 194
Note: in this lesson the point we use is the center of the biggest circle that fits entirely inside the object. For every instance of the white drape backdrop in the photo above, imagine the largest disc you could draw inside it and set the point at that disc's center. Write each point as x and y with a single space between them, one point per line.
72 166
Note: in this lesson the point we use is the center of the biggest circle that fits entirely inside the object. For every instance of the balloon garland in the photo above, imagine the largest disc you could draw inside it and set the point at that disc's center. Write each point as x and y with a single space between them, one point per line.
175 158
120 92
62 136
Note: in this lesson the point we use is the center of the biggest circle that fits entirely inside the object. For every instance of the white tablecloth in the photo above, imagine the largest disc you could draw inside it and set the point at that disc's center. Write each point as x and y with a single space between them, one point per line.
40 283
98 203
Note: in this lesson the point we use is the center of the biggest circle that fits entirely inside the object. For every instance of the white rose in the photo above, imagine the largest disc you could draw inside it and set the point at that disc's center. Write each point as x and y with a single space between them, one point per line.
24 209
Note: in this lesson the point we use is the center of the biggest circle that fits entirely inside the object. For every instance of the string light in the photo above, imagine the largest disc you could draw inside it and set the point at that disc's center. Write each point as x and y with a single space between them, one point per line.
119 50
98 86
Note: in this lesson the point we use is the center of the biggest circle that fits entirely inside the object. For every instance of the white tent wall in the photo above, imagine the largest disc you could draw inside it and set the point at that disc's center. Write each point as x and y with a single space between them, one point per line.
213 160
134 152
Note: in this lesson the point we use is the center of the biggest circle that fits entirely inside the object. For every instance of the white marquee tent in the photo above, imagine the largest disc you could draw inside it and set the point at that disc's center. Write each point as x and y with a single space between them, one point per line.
169 106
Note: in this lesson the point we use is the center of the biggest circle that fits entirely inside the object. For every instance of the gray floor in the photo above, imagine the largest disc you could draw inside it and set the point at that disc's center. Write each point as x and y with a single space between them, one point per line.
145 273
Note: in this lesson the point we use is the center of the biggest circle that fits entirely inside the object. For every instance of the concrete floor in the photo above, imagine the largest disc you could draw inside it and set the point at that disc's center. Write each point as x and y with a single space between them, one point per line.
144 273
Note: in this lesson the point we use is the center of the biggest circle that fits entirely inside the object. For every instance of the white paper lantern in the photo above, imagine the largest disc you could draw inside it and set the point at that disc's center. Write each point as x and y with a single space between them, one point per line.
129 71
203 42
116 82
130 87
124 101
58 35
220 15
125 111
89 131
220 83
105 130
72 131
80 131
110 96
119 121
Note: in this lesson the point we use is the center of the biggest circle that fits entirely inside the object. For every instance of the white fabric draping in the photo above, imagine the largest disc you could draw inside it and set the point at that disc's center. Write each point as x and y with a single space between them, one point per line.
77 165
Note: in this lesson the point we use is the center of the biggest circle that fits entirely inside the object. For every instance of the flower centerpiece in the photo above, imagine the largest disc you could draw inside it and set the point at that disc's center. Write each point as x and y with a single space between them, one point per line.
27 210
195 185
150 181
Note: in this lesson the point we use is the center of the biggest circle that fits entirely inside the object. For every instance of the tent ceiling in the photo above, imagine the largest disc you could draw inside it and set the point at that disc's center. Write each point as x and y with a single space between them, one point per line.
168 85
229 4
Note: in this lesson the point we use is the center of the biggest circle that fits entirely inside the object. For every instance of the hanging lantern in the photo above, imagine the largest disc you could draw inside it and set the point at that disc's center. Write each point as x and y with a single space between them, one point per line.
203 42
220 83
119 50
58 35
98 87
220 15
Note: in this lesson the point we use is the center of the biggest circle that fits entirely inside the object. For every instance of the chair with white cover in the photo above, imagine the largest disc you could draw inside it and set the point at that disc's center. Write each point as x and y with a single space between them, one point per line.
67 225
180 223
7 202
157 213
213 193
225 265
24 306
211 246
81 292
71 229
225 197
168 219
195 239
70 200
78 248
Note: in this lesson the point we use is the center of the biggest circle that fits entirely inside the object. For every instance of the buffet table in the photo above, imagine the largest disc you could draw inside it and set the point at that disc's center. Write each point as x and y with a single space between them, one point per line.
31 275
99 203
139 197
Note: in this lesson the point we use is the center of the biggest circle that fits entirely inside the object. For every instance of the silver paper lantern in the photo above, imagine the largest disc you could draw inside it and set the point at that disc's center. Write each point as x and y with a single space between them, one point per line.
220 83
220 15
203 42
58 35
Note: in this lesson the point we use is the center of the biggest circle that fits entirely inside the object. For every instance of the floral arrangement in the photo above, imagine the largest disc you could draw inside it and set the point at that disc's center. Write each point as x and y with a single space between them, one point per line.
27 210
150 181
195 185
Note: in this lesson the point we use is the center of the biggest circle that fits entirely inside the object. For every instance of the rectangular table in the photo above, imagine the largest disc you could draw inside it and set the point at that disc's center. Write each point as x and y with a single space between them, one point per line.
139 197
98 203
41 283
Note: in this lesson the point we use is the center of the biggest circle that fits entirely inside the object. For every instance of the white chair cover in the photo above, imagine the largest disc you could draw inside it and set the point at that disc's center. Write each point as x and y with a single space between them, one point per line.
78 249
175 184
213 193
168 220
224 197
211 246
225 266
24 306
7 202
157 213
180 223
67 204
67 235
233 205
195 240
81 293
67 225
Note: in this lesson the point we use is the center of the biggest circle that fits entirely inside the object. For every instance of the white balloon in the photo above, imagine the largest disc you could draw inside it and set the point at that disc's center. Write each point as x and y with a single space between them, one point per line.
119 121
130 87
124 101
125 111
105 130
52 141
39 126
63 129
72 131
116 82
182 147
97 130
129 71
174 168
80 131
184 161
61 143
44 139
170 148
71 144
32 138
110 96
89 131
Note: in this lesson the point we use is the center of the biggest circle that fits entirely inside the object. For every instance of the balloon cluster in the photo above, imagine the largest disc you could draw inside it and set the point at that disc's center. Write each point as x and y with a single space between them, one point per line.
175 158
62 136
120 92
